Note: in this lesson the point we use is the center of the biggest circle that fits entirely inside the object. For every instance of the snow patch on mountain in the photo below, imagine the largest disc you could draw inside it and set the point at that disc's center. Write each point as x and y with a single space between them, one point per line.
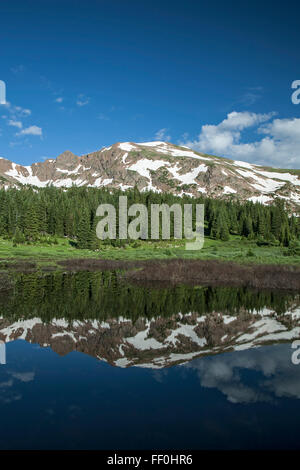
187 178
28 179
228 190
261 199
144 166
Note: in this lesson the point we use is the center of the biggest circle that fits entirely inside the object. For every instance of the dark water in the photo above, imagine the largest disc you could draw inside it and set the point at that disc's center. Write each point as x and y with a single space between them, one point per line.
94 363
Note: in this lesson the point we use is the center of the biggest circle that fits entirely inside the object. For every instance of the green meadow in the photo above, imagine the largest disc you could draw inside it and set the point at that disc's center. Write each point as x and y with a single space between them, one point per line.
237 249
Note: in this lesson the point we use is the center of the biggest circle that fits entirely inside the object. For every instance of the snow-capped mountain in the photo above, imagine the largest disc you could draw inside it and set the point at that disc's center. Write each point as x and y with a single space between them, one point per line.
159 342
161 167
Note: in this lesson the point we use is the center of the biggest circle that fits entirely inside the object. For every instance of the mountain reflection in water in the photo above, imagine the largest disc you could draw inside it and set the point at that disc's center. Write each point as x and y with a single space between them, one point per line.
83 321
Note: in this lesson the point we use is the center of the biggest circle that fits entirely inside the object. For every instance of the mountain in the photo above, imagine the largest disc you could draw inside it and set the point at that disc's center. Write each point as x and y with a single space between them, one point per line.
161 167
159 342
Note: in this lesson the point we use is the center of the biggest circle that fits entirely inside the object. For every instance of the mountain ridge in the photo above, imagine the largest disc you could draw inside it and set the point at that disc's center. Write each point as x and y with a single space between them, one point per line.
160 342
160 167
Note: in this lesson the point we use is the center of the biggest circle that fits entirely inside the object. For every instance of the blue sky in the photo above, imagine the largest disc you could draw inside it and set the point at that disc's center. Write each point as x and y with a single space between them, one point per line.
217 76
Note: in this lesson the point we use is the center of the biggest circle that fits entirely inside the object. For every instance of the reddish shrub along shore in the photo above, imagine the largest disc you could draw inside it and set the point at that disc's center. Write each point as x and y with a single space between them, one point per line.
176 271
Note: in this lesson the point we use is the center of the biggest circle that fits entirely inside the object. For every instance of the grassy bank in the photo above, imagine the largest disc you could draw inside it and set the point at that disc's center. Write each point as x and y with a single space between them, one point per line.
236 249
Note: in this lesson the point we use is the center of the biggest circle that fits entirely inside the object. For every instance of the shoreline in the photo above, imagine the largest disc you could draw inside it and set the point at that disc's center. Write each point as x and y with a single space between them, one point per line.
172 272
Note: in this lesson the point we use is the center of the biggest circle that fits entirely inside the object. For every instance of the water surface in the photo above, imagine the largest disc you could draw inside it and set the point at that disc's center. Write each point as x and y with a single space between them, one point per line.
95 363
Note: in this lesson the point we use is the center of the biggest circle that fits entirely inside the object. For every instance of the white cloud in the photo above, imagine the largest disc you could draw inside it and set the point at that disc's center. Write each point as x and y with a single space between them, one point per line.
16 111
23 376
250 95
103 117
161 135
31 130
276 378
82 100
18 69
59 99
13 123
279 144
13 117
8 383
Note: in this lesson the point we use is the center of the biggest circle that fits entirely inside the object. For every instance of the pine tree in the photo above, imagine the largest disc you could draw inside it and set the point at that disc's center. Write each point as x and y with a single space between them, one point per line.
18 238
83 231
285 236
261 226
224 232
247 229
215 229
276 222
31 223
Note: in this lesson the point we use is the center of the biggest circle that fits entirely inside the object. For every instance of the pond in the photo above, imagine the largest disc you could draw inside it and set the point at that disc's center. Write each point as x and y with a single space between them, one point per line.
88 361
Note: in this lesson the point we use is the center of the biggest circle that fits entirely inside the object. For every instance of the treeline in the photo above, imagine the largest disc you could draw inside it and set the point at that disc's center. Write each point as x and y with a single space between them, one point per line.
29 215
103 295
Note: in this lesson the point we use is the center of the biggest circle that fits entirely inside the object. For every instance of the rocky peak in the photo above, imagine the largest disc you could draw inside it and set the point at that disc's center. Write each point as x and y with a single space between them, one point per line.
67 159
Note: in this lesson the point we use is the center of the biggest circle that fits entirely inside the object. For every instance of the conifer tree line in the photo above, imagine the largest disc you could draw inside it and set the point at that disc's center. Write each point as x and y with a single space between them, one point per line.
103 295
30 215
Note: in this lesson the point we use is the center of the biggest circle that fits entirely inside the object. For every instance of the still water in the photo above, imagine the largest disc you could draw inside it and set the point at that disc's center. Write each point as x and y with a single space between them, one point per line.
90 362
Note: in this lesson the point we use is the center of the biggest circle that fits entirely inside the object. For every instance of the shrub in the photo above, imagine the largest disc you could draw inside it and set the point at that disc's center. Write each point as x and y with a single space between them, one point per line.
250 253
